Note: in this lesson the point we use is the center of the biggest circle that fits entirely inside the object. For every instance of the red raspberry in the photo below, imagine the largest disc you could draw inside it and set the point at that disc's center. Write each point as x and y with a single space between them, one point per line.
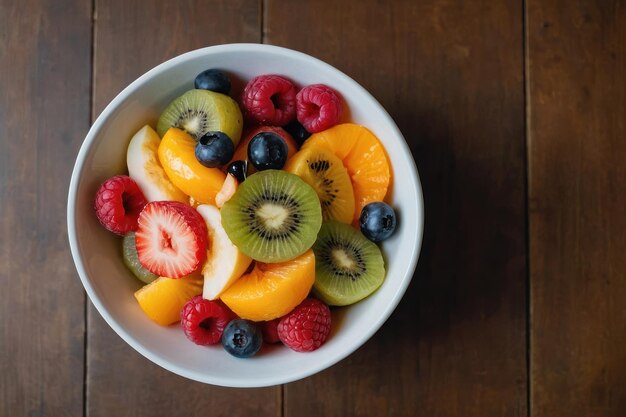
306 327
270 100
270 331
119 201
318 107
204 321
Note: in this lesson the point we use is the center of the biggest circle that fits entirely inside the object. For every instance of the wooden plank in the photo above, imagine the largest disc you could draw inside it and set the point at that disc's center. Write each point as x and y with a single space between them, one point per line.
44 115
132 37
451 75
577 57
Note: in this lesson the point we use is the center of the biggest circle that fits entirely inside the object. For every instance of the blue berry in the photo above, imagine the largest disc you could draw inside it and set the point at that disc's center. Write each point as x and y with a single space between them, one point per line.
297 131
242 338
213 80
267 150
214 149
377 221
239 170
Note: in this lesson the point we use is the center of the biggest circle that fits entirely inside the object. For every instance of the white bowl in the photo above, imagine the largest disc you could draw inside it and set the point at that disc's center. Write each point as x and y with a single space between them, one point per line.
110 286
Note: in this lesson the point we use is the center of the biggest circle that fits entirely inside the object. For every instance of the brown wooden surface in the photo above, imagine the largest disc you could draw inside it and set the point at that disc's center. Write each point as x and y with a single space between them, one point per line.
515 113
130 38
577 142
44 116
456 344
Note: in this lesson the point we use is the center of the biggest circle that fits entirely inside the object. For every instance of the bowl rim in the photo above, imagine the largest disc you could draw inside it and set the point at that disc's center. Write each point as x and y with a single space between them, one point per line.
145 351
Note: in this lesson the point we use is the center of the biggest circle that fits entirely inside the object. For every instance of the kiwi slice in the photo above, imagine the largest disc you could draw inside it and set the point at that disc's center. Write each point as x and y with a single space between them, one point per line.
131 260
273 216
324 171
200 111
348 266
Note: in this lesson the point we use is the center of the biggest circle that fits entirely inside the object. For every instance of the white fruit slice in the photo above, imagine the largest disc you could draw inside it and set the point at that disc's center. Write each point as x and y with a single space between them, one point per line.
225 263
144 167
228 189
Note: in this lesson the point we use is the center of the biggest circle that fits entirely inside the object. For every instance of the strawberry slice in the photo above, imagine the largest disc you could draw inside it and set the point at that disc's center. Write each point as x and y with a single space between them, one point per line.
171 239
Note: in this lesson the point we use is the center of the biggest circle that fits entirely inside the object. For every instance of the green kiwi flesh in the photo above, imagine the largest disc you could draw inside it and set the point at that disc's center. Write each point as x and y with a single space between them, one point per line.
200 111
274 216
348 266
131 260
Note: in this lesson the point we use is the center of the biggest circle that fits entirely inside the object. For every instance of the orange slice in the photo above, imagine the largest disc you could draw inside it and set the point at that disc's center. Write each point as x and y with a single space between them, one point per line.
364 157
270 291
164 298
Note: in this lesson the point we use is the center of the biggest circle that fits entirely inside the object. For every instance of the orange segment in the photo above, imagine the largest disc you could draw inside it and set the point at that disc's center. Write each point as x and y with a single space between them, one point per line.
178 158
164 298
241 152
363 155
270 291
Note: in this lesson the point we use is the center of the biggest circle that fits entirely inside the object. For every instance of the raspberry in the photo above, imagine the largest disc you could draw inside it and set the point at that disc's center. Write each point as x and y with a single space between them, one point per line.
270 99
306 327
318 107
119 201
270 331
204 321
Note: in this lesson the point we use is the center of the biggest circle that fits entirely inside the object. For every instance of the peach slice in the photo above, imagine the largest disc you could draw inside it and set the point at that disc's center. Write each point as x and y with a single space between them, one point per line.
178 158
164 298
272 290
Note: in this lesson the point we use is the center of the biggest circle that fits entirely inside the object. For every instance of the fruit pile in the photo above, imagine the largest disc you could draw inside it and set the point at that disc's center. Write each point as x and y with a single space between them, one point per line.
248 236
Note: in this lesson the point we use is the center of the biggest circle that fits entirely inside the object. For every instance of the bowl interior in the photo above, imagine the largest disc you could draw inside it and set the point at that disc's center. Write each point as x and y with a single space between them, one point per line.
97 253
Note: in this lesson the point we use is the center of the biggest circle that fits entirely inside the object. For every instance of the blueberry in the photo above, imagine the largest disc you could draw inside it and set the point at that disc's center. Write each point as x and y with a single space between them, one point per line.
239 170
214 149
213 80
267 150
297 131
377 221
242 338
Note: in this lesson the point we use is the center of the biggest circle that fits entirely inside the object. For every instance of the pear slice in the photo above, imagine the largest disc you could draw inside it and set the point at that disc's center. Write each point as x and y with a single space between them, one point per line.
225 263
144 167
228 189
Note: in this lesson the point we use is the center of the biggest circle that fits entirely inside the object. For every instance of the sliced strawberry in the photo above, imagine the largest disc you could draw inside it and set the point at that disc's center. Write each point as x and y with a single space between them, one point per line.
171 239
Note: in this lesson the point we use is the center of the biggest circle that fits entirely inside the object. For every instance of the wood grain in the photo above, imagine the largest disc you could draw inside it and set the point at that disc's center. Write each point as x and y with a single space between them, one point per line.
132 37
577 57
44 115
451 75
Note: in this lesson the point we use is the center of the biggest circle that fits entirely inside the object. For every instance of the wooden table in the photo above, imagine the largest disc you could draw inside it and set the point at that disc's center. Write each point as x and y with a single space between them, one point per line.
515 113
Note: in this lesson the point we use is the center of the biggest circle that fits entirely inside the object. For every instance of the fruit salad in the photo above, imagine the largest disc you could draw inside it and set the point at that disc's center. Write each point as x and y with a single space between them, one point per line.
248 218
